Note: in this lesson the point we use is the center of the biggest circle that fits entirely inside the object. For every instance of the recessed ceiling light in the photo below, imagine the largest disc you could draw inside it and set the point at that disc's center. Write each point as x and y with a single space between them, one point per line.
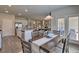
6 11
19 14
26 10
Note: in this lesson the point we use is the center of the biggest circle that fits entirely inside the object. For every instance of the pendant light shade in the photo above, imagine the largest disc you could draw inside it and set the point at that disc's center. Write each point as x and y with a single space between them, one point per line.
49 17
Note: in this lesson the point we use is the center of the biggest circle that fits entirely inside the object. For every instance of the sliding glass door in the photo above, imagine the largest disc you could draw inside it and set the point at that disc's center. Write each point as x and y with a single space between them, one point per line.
69 27
73 28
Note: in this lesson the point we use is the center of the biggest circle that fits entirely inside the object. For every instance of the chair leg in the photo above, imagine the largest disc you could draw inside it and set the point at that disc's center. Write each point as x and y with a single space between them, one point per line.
22 48
64 46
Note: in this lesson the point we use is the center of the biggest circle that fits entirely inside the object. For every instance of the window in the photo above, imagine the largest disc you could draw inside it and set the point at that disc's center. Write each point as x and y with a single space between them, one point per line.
18 24
61 25
73 26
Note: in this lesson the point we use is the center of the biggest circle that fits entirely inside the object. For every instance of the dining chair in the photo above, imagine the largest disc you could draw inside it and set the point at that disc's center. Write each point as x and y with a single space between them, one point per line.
66 44
72 34
26 46
56 32
35 35
52 47
41 32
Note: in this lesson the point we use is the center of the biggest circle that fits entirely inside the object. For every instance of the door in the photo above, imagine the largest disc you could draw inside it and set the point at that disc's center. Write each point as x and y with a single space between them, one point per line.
73 28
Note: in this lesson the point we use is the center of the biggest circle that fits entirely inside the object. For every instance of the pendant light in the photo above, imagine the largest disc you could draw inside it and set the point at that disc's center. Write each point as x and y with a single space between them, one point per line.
49 17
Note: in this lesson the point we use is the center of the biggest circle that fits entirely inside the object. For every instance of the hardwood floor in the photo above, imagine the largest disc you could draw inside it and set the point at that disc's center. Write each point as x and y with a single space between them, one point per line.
11 44
73 48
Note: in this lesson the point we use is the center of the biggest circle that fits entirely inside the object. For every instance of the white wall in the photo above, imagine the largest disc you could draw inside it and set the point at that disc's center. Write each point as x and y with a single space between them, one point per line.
8 22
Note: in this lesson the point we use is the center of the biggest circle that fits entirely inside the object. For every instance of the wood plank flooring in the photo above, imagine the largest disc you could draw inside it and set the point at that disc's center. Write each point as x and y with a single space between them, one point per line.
73 48
11 44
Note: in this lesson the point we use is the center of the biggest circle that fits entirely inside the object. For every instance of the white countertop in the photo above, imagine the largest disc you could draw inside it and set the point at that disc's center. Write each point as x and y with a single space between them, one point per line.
43 40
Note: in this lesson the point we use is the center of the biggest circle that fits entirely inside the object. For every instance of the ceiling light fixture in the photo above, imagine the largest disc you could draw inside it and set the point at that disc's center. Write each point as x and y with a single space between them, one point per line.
49 17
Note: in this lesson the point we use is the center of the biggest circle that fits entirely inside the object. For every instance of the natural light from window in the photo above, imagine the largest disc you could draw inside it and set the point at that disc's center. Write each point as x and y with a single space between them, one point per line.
73 26
61 25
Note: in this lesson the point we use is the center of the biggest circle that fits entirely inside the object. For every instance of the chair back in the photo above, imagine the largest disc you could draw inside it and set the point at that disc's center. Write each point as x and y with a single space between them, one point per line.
26 46
35 35
72 35
41 33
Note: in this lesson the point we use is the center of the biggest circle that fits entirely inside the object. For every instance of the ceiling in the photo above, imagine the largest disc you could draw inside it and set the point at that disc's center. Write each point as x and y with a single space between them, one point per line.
32 10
